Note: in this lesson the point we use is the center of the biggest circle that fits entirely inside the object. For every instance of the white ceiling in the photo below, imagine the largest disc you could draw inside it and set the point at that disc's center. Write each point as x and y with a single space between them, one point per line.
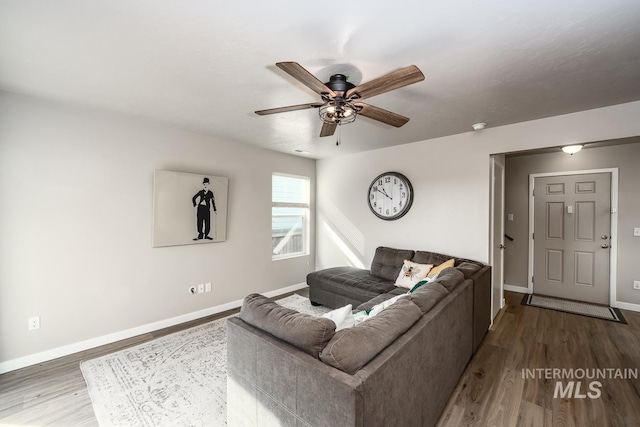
208 65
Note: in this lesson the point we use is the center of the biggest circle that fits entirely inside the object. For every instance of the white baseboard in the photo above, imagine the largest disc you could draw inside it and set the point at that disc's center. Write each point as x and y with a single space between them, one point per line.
33 359
514 288
627 306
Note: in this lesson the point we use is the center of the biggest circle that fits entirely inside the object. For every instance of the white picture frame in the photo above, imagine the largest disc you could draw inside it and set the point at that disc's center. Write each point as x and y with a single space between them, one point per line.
189 209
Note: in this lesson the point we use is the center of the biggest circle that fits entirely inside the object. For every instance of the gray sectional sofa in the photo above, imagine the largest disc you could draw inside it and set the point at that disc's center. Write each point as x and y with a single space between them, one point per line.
396 369
339 286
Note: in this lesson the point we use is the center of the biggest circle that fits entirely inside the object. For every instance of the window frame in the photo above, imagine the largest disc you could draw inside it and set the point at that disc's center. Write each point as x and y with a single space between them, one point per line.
306 216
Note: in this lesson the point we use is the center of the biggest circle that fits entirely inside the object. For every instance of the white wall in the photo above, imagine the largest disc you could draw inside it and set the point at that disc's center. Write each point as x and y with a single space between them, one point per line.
75 227
451 180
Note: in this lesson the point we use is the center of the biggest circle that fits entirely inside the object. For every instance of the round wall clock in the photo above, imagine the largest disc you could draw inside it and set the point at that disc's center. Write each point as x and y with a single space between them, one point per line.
390 195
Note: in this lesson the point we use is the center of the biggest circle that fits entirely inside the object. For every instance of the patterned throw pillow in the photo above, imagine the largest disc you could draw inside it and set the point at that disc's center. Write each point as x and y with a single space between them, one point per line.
411 273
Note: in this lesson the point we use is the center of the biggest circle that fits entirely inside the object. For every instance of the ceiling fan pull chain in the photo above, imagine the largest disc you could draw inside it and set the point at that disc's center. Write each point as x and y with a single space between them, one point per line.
338 142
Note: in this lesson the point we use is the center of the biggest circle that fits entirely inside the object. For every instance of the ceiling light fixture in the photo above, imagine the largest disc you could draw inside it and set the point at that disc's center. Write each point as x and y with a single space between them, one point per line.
338 111
479 126
572 149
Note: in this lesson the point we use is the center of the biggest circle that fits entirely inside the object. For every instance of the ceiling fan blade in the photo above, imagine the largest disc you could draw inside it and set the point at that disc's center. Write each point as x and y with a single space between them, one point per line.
393 80
381 115
299 73
328 129
289 108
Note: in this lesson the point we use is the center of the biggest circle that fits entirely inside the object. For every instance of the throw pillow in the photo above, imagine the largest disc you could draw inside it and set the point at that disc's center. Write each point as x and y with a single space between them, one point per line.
342 317
411 273
433 273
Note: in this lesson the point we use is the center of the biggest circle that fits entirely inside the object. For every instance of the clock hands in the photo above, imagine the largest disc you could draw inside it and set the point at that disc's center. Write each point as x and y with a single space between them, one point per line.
384 192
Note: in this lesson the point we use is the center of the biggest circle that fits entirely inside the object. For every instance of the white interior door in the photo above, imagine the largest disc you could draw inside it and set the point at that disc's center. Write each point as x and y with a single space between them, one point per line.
572 230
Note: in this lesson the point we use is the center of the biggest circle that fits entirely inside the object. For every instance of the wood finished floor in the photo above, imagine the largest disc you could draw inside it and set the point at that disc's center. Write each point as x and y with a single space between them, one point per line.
491 392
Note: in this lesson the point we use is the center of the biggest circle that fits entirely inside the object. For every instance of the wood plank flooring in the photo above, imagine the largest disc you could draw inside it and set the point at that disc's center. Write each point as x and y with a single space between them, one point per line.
491 392
494 392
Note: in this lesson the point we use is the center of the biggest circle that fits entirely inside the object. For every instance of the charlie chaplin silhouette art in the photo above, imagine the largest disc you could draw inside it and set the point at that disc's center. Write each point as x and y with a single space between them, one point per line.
206 203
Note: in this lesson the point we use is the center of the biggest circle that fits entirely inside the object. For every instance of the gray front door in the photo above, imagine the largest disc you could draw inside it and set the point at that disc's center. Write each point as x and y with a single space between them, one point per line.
572 224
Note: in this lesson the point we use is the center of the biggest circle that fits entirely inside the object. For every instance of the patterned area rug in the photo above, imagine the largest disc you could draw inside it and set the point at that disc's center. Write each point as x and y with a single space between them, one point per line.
575 307
176 380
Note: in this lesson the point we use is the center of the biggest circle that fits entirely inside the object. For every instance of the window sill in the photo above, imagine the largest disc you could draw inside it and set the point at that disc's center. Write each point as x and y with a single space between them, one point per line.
289 256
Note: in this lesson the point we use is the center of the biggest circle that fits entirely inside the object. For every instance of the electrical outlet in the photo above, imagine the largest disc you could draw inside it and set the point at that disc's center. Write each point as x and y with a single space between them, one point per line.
201 288
636 284
192 290
34 323
207 287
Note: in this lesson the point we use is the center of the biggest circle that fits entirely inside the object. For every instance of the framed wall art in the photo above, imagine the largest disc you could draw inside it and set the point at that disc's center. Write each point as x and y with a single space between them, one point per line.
189 209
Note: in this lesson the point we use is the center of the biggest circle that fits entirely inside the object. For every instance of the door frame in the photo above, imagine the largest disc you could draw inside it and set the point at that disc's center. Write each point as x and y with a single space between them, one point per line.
497 235
613 254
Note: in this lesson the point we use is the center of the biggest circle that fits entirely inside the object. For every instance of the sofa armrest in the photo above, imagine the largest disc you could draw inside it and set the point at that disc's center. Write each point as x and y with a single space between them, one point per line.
481 304
264 372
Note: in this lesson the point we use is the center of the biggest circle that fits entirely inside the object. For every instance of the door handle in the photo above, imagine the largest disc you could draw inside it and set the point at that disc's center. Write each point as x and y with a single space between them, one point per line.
604 237
502 246
604 246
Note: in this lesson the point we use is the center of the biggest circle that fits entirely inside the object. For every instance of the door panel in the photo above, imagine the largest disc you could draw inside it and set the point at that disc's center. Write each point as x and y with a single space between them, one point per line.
555 265
571 212
585 267
585 221
555 220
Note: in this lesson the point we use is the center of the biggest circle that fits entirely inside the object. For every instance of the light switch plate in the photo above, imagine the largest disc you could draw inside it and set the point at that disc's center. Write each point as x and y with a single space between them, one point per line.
636 231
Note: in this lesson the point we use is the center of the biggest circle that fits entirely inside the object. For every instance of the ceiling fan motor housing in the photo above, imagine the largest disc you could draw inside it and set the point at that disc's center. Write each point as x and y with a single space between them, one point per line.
339 83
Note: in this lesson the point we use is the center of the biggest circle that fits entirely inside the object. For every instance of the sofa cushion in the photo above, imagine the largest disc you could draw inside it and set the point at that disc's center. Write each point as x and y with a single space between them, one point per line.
351 349
308 333
449 278
411 273
426 257
387 262
427 296
469 268
353 283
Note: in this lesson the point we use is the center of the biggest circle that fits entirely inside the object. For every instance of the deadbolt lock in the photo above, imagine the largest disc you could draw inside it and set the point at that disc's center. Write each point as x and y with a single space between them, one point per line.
604 237
604 246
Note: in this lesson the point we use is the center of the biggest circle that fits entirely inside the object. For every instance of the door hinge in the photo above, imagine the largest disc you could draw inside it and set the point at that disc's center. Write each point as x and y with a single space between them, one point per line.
533 236
532 281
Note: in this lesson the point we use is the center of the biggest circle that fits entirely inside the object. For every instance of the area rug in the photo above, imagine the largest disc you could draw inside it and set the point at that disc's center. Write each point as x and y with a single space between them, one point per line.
575 307
175 380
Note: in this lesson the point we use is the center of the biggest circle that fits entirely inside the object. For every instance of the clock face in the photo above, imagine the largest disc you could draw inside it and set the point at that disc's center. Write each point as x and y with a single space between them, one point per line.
390 195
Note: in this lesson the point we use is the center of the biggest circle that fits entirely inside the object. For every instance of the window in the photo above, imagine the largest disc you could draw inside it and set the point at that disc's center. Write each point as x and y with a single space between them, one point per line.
289 216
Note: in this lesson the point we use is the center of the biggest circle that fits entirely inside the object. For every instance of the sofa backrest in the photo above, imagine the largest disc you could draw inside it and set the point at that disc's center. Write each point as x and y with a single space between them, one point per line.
426 257
387 262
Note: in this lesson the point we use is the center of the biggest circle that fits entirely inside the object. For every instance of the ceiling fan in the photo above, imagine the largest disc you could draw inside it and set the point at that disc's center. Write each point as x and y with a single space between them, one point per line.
341 100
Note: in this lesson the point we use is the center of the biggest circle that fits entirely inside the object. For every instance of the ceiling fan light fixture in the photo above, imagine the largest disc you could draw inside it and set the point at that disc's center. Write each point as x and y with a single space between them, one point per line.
340 112
572 149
